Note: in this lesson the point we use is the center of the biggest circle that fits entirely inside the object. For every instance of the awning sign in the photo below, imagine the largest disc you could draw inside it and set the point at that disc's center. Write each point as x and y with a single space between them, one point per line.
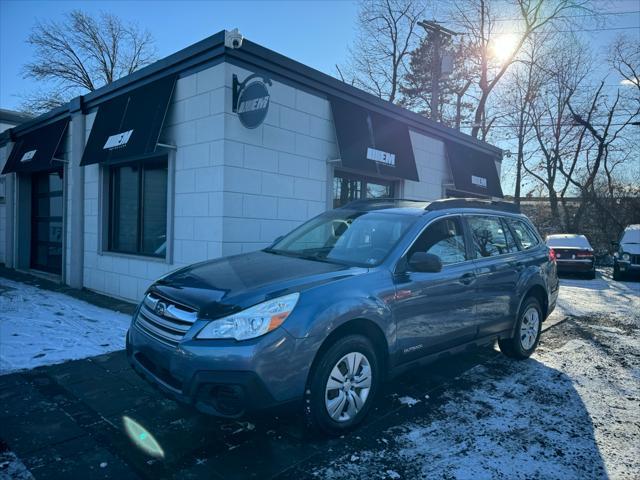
28 156
480 181
381 157
118 140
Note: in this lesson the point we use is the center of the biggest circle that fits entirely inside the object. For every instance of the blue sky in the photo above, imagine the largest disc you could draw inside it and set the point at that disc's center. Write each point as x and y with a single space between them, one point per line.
315 33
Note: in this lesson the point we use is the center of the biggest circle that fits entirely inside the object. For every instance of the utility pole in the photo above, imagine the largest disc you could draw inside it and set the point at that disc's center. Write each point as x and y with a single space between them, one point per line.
439 32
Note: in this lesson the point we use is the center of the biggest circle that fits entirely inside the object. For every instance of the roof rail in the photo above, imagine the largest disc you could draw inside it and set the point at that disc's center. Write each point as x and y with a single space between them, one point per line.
473 203
388 202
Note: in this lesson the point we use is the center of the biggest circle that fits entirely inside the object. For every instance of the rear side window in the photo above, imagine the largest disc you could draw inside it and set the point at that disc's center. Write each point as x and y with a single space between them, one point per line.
443 238
489 238
525 236
512 246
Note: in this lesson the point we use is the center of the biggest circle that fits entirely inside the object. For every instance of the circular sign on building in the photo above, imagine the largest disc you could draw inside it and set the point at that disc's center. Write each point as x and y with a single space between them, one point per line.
253 104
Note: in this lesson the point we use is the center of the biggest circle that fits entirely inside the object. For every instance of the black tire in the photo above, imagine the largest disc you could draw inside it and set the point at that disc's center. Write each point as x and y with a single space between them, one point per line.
315 409
617 274
513 347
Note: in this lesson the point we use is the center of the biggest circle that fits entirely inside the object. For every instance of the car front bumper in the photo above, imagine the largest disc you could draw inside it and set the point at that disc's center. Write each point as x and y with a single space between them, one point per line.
626 266
223 377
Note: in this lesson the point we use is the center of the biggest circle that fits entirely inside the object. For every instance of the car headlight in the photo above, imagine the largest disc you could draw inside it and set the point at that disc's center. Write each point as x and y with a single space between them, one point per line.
626 257
253 321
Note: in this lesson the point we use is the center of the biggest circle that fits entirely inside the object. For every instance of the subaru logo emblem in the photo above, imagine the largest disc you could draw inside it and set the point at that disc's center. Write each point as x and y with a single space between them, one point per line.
160 309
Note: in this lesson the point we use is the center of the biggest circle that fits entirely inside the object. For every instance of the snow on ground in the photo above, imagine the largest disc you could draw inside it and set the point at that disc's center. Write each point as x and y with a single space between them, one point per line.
602 295
571 411
12 468
40 327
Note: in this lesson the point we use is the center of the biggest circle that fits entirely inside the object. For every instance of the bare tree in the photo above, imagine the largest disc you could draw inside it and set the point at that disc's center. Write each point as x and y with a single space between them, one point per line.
624 58
477 18
82 53
518 99
559 143
387 33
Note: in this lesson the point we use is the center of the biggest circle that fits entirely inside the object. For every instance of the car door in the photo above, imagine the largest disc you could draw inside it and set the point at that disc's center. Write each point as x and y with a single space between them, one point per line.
498 263
434 311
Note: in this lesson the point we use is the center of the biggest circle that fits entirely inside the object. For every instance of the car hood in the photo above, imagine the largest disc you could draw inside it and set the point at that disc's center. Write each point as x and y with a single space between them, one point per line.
218 288
630 248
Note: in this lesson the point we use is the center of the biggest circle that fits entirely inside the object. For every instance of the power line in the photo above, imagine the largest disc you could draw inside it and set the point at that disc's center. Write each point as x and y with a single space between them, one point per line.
586 15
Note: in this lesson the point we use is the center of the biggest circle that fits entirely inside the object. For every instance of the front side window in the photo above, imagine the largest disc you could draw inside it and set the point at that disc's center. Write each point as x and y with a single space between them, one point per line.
443 238
525 236
138 208
346 236
489 237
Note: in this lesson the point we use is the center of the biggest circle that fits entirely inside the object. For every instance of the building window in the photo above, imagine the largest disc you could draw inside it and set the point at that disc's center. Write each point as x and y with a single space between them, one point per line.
348 187
138 208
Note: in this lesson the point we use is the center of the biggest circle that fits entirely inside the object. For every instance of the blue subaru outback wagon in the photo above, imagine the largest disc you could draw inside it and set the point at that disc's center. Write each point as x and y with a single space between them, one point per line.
351 297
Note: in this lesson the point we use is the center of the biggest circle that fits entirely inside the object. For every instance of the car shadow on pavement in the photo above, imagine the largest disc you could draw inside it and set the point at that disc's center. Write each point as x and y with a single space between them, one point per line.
96 418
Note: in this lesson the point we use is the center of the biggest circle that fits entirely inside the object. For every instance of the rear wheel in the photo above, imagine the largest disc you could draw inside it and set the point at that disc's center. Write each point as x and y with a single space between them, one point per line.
527 334
342 385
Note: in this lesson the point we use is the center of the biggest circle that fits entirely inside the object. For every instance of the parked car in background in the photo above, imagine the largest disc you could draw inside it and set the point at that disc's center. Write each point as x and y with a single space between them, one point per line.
326 313
574 254
626 258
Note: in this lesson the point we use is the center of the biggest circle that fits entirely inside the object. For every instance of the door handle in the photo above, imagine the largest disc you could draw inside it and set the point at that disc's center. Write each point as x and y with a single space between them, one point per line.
467 278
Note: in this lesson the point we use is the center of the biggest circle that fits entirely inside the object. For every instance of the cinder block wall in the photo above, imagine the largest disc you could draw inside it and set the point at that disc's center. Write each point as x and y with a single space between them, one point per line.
432 165
275 176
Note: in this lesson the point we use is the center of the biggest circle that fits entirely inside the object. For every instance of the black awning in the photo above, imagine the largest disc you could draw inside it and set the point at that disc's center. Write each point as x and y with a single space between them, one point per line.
34 151
373 143
473 172
128 126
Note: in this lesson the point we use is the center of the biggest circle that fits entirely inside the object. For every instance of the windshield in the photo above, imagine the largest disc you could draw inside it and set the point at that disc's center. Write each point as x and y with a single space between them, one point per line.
579 241
631 235
346 236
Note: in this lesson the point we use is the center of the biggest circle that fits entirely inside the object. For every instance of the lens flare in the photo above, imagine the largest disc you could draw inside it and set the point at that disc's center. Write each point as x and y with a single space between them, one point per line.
142 438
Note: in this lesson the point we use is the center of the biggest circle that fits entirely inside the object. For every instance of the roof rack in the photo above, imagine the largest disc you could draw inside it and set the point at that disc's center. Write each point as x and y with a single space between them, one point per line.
387 202
473 203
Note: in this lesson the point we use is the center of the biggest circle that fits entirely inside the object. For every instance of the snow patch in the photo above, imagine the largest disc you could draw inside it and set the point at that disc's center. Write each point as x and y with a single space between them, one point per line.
40 327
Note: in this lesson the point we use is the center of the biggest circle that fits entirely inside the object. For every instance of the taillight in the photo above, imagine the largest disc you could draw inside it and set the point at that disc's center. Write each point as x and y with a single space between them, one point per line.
584 254
552 255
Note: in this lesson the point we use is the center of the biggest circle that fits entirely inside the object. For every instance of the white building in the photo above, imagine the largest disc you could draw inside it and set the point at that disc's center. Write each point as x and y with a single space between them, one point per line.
212 151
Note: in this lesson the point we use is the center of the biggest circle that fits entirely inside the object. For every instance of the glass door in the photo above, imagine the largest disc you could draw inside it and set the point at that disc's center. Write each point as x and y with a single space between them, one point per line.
46 222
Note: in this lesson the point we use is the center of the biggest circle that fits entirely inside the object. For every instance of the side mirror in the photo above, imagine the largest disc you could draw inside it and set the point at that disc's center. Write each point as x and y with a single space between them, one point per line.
425 262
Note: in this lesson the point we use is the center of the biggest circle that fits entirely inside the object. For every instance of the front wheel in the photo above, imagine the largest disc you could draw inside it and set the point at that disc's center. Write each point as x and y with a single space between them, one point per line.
617 274
342 385
528 329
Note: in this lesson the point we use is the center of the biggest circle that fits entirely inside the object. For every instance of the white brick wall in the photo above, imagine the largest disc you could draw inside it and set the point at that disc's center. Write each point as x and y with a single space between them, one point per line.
237 189
195 124
432 165
275 176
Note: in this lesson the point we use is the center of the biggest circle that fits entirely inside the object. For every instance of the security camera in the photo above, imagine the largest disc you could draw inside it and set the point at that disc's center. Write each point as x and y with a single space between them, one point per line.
233 38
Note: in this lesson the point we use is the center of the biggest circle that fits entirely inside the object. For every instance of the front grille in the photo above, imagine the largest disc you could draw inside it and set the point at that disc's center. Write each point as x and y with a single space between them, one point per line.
635 259
164 320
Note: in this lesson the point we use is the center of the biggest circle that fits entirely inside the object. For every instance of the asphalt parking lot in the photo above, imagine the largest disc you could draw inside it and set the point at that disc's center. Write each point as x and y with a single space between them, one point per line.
74 419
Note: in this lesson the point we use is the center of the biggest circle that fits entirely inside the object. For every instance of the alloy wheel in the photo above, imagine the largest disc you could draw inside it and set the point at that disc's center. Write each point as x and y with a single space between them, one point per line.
529 328
348 386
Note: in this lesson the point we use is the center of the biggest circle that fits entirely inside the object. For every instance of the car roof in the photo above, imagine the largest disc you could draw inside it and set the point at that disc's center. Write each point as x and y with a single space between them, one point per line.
422 207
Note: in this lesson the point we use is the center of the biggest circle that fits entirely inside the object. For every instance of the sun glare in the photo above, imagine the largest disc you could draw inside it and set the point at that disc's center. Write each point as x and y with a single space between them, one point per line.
503 46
